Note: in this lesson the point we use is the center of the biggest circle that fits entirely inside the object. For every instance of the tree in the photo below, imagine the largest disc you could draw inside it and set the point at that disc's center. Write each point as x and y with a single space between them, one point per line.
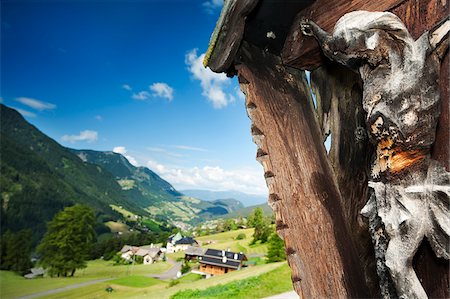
275 252
255 217
229 224
261 224
16 251
66 244
262 231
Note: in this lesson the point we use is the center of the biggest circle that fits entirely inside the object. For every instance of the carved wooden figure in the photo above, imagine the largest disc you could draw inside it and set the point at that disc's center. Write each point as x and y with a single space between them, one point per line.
410 191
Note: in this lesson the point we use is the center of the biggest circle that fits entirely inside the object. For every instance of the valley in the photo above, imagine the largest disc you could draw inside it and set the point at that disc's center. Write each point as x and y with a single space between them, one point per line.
56 177
133 281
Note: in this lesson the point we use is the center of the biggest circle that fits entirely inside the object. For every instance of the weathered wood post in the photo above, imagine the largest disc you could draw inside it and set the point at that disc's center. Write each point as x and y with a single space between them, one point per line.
317 198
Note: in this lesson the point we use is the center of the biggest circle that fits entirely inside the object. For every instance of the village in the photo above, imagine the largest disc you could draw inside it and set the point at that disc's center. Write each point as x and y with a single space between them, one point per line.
184 266
206 262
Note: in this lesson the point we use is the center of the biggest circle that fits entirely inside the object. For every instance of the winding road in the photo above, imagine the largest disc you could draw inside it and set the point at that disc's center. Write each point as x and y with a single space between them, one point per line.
169 274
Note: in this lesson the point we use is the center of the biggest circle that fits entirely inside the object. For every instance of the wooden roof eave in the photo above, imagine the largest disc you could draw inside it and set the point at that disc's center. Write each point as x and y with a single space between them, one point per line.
228 33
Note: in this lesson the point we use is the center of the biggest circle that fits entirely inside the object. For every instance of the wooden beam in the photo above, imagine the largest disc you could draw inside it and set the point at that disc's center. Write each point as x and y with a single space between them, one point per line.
302 190
303 52
227 36
338 92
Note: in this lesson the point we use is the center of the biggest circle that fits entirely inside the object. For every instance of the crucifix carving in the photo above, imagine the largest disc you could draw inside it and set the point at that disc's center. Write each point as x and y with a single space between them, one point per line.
409 191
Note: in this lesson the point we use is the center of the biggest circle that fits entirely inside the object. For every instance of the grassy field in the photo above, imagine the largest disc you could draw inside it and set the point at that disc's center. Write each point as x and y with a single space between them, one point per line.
13 285
131 281
135 281
117 227
267 284
127 214
161 290
223 241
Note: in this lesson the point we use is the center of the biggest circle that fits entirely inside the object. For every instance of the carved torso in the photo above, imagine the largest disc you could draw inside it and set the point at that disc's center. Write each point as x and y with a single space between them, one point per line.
401 99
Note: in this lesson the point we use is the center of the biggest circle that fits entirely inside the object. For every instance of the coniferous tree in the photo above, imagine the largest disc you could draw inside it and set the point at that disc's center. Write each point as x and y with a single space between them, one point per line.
275 252
261 225
16 251
256 217
66 245
262 231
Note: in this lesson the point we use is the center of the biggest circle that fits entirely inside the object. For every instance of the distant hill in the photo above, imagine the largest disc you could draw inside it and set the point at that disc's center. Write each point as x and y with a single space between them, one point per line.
244 212
140 184
244 198
39 177
150 192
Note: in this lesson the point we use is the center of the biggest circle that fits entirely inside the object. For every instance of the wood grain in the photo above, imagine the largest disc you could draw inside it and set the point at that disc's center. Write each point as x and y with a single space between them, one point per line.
303 193
228 34
338 94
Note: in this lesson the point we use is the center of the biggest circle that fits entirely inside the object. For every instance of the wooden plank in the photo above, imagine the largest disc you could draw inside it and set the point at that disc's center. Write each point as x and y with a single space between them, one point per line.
227 35
303 52
302 190
338 92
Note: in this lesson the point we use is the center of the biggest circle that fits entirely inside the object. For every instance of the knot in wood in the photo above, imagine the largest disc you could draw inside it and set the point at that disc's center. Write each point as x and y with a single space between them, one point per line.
360 134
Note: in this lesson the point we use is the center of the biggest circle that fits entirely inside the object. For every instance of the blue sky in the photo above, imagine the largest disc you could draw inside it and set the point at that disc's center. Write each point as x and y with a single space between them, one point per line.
127 76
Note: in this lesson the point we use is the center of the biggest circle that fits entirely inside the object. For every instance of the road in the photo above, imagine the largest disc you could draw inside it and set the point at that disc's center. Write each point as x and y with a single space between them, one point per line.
73 286
287 295
169 274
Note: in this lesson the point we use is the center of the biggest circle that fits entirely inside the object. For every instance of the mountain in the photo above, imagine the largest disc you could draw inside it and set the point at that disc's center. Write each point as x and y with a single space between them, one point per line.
151 192
39 178
140 184
246 199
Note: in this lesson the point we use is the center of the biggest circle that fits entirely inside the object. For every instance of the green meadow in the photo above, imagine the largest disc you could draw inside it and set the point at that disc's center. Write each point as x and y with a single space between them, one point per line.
133 281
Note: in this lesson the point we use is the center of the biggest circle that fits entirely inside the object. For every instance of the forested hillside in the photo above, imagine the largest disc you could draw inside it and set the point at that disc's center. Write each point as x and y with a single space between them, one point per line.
39 177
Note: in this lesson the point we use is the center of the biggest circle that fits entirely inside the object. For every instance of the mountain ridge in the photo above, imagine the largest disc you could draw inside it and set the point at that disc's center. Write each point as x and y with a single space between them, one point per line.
39 177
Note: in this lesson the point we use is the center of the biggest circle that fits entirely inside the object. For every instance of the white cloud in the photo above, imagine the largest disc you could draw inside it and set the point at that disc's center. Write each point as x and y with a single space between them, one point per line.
162 90
99 117
127 87
212 178
190 148
156 149
123 151
36 104
210 6
212 84
155 166
86 135
25 112
141 96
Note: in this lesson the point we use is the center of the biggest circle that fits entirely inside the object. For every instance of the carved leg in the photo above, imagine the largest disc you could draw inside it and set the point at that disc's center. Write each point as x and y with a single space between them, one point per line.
399 256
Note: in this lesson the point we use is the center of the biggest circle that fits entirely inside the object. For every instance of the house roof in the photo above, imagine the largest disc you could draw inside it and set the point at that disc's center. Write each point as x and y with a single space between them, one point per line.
192 250
127 248
174 238
152 252
178 239
149 247
186 240
223 258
